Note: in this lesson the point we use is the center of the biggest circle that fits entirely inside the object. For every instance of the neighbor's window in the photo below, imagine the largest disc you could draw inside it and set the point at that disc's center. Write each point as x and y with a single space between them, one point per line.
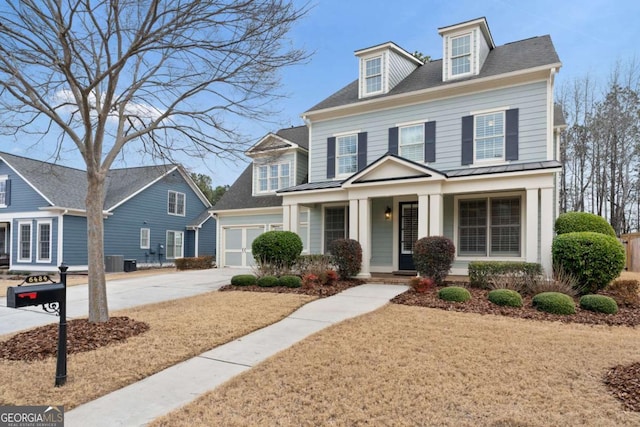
3 192
347 154
176 203
175 244
490 227
411 142
273 177
373 75
489 136
44 241
335 225
24 244
461 55
145 238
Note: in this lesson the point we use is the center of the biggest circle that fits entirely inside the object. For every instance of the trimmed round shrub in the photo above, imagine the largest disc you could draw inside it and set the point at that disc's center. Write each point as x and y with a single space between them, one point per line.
554 302
574 222
243 280
599 303
433 257
278 248
593 259
291 281
268 281
347 256
454 294
506 297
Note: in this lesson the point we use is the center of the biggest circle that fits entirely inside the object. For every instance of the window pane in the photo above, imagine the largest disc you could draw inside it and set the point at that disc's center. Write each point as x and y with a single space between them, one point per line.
262 178
373 66
472 227
489 133
374 84
347 154
461 45
409 232
172 202
25 241
170 245
461 65
505 227
412 142
3 192
284 175
334 225
180 204
45 241
461 55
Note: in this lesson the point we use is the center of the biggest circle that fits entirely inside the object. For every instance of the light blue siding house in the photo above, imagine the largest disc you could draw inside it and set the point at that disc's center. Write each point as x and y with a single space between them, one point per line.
465 146
151 214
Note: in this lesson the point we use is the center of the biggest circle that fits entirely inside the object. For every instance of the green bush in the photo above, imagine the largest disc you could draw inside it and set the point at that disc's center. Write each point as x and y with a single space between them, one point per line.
483 273
599 303
433 257
506 297
454 294
574 222
594 259
194 263
347 255
554 302
243 280
291 281
278 248
268 281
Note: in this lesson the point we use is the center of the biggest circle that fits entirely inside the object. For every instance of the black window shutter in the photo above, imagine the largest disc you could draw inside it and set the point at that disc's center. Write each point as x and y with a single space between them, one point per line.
362 150
331 157
393 140
430 142
7 192
467 140
511 135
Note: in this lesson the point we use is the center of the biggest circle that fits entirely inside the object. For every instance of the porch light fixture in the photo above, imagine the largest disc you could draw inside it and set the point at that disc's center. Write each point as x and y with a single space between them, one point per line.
387 213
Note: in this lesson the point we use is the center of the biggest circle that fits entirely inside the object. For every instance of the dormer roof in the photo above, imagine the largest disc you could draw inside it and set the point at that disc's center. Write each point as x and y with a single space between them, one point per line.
288 138
467 25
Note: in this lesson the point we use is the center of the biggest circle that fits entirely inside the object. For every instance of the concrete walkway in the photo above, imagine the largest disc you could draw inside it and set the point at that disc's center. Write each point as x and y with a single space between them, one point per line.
159 394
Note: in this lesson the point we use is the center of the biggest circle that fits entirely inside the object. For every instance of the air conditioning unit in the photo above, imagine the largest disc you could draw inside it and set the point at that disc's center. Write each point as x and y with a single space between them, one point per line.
114 263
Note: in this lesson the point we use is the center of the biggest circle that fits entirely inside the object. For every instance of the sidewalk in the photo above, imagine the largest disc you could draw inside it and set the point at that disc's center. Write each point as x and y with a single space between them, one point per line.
159 394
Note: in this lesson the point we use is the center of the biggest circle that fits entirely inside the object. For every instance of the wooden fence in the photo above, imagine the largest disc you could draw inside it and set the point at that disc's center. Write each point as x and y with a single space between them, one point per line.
631 244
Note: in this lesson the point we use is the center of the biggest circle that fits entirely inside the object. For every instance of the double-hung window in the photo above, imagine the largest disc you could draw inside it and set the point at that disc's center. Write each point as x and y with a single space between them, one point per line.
490 227
373 75
347 154
175 245
461 55
176 203
489 136
44 241
335 225
145 238
4 189
411 142
24 242
273 177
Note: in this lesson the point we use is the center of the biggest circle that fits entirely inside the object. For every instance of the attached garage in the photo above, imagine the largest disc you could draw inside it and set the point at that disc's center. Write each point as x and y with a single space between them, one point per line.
236 244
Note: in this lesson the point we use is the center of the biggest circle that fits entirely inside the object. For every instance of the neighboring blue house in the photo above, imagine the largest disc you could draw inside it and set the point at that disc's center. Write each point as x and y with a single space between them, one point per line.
152 214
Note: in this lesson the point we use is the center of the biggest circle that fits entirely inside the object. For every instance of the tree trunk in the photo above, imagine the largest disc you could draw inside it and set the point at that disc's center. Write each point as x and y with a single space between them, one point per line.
98 308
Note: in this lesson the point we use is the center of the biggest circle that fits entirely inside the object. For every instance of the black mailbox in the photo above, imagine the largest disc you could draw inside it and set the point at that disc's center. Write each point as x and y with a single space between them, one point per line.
24 296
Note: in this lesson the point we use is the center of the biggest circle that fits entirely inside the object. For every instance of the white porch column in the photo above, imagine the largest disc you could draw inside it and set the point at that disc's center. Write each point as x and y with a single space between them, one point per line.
532 225
286 217
423 215
436 215
294 218
353 219
546 226
364 232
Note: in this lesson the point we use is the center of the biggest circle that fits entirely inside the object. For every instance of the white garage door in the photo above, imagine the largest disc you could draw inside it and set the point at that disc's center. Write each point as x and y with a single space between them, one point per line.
237 245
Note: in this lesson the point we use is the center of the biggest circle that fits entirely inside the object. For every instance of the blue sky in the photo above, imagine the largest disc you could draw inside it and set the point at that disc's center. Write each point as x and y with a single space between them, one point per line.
589 36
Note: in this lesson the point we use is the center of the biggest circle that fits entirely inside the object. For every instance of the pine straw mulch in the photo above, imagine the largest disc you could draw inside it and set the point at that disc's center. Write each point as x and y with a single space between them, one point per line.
622 381
42 342
320 291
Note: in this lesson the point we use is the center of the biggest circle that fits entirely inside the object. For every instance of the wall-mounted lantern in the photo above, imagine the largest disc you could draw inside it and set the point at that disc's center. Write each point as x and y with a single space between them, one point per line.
387 214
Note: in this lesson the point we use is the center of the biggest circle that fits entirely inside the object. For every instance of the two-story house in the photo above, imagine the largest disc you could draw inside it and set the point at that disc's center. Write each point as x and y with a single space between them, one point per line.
464 147
151 214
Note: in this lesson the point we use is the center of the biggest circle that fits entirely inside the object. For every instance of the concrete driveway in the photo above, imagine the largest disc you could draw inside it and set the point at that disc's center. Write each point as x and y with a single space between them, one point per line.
121 293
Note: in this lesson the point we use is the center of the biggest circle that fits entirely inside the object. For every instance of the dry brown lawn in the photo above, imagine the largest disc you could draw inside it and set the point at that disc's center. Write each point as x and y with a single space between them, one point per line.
179 330
405 365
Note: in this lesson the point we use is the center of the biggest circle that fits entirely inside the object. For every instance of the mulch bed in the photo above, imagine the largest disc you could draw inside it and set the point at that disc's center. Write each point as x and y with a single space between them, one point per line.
42 342
622 381
320 291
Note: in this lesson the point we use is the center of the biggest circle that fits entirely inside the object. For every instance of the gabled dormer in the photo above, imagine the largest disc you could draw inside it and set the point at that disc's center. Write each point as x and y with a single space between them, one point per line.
382 67
465 47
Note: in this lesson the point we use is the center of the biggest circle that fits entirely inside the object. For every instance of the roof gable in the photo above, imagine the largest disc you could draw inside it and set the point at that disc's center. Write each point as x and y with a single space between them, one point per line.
283 139
392 168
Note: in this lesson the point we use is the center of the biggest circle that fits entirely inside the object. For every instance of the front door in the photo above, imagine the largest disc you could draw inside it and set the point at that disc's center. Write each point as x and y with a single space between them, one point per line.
408 234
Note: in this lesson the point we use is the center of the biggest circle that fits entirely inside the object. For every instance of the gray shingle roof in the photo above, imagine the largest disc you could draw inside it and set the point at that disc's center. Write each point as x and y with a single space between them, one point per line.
239 195
516 56
298 134
66 187
203 217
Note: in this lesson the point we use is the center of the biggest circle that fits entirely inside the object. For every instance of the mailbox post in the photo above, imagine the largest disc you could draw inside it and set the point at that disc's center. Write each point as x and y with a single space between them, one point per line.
53 297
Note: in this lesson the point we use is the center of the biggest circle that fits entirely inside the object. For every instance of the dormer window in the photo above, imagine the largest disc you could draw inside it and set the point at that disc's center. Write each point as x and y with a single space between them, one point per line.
273 177
373 75
461 55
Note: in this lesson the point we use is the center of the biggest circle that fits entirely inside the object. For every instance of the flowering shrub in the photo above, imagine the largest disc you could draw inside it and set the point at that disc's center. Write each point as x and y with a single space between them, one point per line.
309 280
421 284
331 277
347 255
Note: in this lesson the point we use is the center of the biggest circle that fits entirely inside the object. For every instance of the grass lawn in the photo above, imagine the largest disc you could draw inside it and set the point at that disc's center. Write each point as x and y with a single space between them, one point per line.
179 330
405 365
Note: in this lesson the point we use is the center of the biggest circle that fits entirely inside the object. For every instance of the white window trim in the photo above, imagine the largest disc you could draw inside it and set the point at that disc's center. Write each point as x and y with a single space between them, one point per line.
337 167
421 160
38 223
166 244
4 178
381 74
346 219
493 160
184 201
148 239
305 224
488 196
268 167
472 54
20 225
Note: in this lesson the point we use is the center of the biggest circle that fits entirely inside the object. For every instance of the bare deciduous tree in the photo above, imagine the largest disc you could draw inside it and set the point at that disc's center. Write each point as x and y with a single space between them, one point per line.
156 76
